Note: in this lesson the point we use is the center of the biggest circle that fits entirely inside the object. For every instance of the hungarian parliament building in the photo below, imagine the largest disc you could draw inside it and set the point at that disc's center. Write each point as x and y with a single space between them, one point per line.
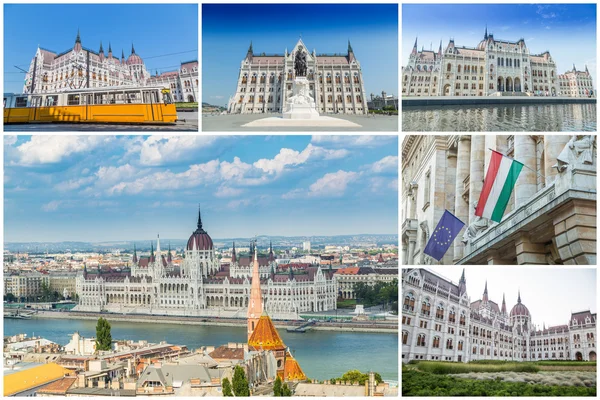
201 286
265 82
52 72
493 67
440 322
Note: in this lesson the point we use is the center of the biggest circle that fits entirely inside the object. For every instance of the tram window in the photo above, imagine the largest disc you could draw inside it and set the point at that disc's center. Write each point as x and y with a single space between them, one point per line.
73 100
51 100
133 97
167 98
21 102
36 101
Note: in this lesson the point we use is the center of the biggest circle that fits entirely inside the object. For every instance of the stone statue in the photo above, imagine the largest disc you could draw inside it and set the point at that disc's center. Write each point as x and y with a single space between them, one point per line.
478 225
579 150
300 66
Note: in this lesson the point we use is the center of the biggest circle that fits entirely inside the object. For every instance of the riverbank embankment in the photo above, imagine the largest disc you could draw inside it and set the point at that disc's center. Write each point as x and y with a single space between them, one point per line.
321 326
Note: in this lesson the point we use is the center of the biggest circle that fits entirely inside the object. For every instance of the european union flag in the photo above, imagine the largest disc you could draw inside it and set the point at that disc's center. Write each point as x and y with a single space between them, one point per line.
443 236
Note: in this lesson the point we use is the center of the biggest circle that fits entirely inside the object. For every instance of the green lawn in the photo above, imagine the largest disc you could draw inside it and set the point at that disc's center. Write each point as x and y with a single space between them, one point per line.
186 105
416 383
440 367
351 303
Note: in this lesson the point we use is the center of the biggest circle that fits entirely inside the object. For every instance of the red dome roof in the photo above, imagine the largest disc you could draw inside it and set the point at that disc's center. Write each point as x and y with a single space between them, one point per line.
200 238
134 59
519 309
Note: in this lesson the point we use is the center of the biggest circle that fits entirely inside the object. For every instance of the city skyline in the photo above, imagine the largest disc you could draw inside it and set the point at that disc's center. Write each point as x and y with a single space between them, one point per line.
372 30
550 294
54 27
567 31
113 188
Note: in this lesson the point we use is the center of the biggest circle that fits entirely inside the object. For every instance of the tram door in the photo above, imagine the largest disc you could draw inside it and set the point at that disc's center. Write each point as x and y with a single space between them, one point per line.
36 102
150 98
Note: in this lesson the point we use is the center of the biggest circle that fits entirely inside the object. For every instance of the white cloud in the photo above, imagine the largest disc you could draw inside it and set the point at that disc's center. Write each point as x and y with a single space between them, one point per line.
159 150
73 184
354 141
9 140
289 157
226 191
52 206
217 97
386 164
167 204
45 149
333 184
235 204
108 175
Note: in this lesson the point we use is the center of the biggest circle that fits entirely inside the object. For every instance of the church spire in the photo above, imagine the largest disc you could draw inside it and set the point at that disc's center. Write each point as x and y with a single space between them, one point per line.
78 38
414 50
233 257
132 48
503 304
109 48
169 259
101 49
255 308
199 225
485 37
135 259
151 252
519 299
350 47
462 284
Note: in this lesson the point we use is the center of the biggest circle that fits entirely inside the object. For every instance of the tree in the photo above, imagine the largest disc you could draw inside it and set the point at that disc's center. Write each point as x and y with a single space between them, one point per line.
10 297
285 391
103 336
226 386
277 387
46 293
240 383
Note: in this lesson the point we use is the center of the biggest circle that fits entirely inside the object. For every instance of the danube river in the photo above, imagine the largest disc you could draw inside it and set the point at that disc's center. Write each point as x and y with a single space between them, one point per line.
321 354
509 117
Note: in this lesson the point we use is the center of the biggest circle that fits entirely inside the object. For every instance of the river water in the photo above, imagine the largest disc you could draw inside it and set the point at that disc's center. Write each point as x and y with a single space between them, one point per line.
511 118
321 354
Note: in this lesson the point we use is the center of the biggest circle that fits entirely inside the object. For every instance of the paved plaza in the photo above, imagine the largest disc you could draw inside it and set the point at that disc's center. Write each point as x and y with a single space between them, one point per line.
234 122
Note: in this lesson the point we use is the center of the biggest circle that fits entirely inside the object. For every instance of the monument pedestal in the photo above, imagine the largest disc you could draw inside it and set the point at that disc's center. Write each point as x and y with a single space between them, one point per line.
301 104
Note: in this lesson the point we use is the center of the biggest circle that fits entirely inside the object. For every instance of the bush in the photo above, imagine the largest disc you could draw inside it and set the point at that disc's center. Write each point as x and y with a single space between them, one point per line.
439 367
226 386
415 383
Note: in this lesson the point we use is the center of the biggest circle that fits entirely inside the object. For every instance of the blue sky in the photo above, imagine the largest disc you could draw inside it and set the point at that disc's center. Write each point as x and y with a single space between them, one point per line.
154 29
101 188
568 31
227 30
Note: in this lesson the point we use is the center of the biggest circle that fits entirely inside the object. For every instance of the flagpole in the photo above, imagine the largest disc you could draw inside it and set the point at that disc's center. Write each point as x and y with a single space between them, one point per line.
504 155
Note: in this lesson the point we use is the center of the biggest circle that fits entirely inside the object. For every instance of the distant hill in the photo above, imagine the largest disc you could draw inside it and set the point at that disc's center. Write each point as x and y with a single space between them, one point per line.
144 244
209 108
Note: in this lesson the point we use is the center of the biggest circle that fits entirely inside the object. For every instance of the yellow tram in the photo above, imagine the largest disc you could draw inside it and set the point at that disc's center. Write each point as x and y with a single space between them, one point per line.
142 105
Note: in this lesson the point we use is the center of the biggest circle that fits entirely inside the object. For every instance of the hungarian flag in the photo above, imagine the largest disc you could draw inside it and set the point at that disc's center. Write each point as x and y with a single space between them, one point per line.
443 236
497 186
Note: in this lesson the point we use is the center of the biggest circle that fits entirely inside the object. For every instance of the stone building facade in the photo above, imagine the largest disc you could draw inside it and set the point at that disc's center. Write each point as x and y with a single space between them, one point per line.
576 83
493 67
25 285
266 81
440 322
202 286
52 72
551 215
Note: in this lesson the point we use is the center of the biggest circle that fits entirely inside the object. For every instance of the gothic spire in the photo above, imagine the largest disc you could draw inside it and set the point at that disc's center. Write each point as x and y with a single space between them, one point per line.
233 257
135 259
199 226
132 48
486 34
519 299
250 48
440 49
414 50
574 70
462 278
151 252
291 272
122 54
78 38
503 304
109 48
485 293
169 255
350 47
101 49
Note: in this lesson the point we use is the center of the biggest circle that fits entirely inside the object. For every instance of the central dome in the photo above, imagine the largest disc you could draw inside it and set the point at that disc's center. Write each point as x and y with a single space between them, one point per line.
134 59
519 309
199 238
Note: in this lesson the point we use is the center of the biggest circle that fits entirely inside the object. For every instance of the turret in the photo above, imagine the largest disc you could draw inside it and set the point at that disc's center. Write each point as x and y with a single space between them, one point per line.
250 52
462 284
101 52
109 50
574 70
503 305
271 256
77 46
233 257
135 259
485 293
440 49
350 52
132 48
169 259
122 57
151 252
485 37
414 50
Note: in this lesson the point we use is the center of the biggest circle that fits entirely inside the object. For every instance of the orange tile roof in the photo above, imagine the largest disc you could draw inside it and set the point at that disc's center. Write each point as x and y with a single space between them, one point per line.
348 271
265 336
292 370
59 387
33 377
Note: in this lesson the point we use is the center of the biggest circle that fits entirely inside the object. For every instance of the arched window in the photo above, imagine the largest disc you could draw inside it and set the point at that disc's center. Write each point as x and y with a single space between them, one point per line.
449 344
436 342
452 316
449 68
426 307
458 68
462 318
409 299
421 340
404 337
439 312
460 345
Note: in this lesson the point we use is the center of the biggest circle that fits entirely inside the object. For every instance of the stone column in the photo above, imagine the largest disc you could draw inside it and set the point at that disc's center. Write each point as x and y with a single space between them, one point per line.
476 172
553 145
526 184
528 252
575 232
412 242
461 207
